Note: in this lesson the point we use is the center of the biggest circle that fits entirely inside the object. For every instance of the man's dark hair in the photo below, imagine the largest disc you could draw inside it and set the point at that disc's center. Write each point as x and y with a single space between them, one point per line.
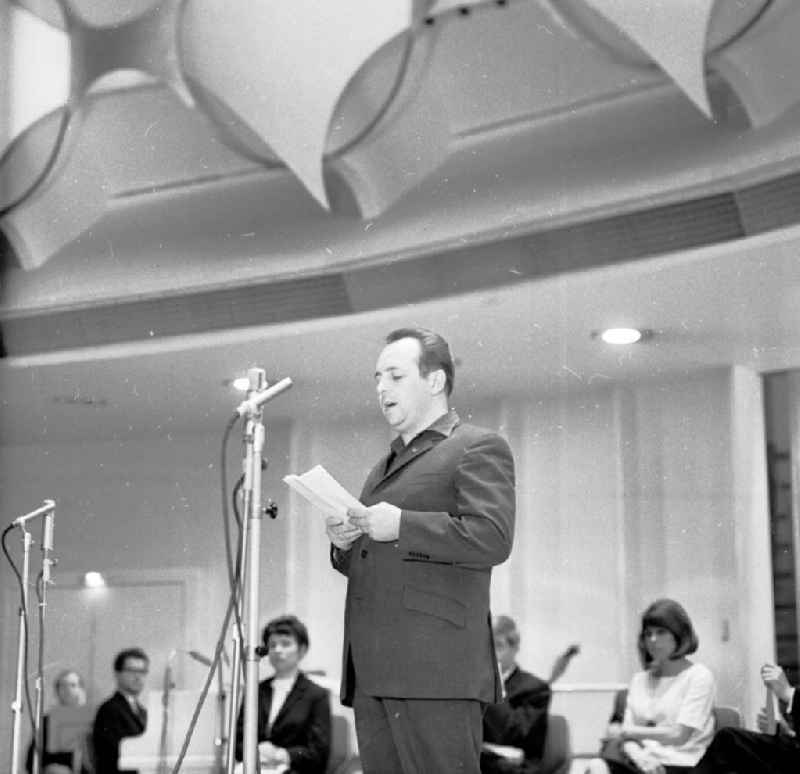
434 352
670 615
289 625
124 655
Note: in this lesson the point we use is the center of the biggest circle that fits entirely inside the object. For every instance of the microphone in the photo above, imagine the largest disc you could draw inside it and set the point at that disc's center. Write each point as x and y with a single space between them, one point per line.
199 657
258 399
47 545
47 507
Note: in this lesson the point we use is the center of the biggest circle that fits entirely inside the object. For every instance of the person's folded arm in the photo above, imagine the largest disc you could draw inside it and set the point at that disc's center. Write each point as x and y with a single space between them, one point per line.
674 734
694 713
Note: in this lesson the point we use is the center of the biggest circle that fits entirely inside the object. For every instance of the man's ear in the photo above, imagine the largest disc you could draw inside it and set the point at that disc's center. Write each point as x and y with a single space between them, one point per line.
437 381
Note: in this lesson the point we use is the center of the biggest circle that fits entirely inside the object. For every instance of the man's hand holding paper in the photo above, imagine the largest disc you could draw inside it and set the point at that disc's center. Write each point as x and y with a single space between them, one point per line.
341 533
380 521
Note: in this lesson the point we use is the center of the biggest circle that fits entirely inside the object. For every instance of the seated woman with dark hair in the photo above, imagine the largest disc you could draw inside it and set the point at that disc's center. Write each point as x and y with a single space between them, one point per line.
668 721
294 713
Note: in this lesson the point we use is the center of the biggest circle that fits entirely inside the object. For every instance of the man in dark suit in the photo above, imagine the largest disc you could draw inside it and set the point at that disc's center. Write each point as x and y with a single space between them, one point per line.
120 716
520 720
438 513
738 751
294 713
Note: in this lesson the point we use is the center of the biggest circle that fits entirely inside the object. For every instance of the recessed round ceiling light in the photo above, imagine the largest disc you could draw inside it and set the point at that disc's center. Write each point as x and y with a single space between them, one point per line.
94 580
621 335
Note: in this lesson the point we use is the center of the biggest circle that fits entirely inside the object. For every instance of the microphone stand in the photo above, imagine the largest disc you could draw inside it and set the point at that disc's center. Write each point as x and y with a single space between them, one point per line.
233 705
163 744
220 741
229 731
252 516
16 708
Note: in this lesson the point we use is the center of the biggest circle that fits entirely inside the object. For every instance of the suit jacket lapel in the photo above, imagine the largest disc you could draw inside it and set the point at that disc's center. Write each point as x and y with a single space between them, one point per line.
270 695
139 720
406 456
374 478
298 689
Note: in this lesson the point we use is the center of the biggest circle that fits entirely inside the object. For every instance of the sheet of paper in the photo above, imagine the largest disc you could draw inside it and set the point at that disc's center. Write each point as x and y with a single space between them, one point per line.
505 751
323 491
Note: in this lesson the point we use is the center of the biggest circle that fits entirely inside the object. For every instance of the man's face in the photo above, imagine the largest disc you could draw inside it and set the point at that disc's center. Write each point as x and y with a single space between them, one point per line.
506 653
130 679
404 395
70 691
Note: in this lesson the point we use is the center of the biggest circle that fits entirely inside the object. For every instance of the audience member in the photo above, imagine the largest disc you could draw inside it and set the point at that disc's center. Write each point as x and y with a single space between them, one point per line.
520 720
70 692
294 713
668 721
120 716
737 751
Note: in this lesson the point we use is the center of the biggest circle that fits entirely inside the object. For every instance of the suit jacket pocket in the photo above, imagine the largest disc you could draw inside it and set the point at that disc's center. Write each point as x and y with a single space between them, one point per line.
436 605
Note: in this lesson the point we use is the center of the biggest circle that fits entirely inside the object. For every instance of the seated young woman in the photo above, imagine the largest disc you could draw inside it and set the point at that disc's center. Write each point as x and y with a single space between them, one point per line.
668 721
294 713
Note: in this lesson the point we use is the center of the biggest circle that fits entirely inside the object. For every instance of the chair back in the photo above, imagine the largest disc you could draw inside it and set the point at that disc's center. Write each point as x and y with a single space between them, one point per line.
83 758
557 753
618 710
340 742
727 717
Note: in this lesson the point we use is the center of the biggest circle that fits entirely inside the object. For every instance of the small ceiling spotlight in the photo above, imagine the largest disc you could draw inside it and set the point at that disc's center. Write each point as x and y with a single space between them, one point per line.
94 580
620 335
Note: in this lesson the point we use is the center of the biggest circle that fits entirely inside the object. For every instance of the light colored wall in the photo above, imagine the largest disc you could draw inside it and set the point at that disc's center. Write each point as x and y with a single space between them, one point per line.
625 494
135 507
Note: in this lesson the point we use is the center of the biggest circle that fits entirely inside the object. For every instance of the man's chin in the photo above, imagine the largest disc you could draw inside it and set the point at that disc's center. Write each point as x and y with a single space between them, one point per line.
392 420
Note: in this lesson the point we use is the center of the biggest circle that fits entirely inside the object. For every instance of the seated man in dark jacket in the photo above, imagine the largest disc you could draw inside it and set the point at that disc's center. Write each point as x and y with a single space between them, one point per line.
738 751
520 720
122 715
294 713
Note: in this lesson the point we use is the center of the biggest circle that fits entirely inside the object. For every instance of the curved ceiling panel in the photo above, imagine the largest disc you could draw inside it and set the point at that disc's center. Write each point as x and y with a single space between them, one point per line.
485 97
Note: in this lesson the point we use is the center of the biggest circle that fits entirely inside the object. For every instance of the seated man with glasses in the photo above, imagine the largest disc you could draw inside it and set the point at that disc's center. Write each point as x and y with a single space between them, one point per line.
120 716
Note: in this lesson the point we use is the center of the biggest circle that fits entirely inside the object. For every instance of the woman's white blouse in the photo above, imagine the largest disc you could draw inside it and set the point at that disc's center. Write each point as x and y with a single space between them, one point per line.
686 699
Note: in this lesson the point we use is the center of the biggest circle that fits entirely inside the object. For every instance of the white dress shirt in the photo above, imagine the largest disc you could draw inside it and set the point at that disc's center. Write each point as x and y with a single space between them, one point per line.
281 687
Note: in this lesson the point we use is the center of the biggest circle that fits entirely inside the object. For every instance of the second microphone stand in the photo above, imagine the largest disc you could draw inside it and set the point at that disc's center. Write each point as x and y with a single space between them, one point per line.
252 516
47 510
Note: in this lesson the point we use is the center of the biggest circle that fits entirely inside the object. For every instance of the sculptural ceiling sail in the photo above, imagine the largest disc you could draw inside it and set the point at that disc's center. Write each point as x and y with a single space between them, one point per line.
350 97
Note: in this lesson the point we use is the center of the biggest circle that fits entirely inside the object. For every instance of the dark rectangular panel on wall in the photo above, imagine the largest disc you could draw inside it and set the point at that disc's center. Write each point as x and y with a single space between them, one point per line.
779 471
220 309
641 234
770 205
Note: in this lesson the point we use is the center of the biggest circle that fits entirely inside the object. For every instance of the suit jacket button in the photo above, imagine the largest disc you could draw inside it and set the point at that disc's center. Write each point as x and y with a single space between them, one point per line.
363 553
